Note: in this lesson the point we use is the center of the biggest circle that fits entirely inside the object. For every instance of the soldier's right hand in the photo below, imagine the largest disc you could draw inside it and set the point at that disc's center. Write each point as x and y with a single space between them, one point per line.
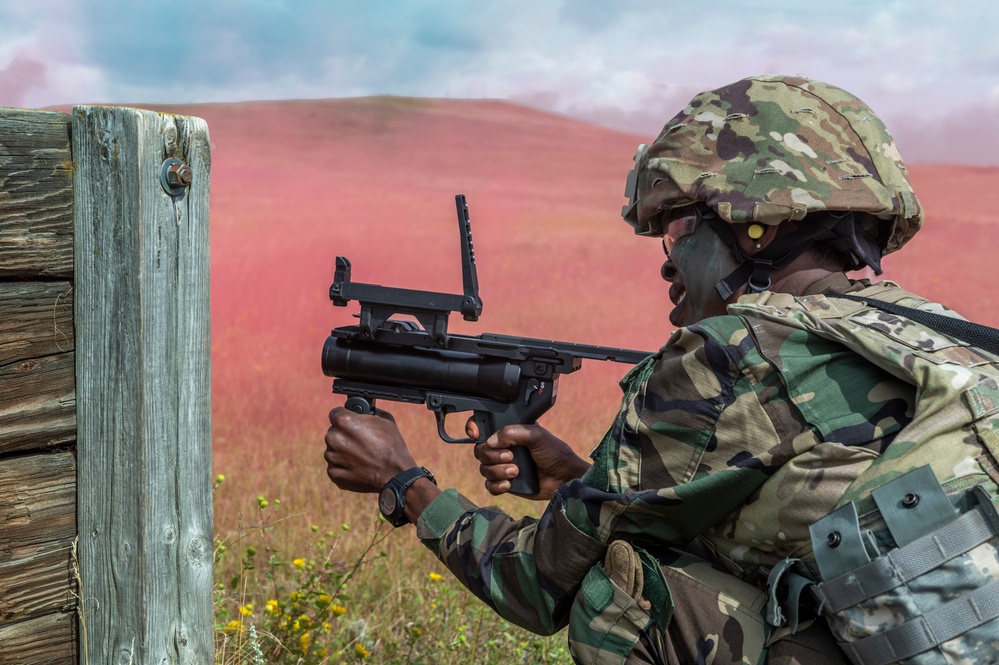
557 463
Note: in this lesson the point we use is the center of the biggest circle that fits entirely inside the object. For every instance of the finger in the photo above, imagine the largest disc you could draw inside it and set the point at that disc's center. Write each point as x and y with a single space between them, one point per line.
471 428
497 488
492 456
339 415
384 414
498 472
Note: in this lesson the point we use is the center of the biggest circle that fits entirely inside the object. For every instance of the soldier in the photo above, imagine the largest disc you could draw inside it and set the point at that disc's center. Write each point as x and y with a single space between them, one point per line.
686 538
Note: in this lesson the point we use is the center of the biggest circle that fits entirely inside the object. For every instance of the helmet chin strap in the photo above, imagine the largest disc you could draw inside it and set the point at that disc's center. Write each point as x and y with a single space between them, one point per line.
755 270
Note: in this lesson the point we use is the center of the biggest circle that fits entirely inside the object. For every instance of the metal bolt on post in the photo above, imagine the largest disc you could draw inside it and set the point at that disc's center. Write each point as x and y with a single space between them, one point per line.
175 176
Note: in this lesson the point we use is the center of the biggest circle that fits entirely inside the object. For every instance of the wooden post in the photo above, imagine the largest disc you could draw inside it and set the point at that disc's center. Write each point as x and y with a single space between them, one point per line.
143 388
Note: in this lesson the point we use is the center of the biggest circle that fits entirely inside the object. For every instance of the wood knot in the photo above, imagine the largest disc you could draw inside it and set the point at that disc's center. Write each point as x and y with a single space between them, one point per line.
27 366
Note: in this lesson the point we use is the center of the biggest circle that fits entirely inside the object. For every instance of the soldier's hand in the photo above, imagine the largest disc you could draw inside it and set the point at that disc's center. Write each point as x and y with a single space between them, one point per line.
557 463
364 452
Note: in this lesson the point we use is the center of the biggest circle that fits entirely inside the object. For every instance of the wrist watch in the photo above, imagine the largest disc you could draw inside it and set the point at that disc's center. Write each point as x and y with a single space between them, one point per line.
392 498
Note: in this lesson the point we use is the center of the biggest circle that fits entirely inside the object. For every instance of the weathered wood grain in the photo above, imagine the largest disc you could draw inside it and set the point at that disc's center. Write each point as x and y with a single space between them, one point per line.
37 530
143 387
37 366
37 403
37 320
36 194
47 640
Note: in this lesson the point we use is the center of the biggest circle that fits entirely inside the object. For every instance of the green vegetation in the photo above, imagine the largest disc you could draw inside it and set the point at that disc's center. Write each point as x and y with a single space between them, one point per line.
291 592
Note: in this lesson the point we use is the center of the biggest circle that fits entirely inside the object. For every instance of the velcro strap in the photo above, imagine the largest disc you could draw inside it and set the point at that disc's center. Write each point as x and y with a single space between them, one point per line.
905 563
937 626
726 287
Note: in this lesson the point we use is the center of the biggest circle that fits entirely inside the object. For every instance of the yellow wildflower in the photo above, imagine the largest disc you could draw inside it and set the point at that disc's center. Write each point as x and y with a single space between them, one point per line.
327 626
338 610
295 625
231 627
361 651
272 608
323 598
304 621
305 640
321 652
246 610
298 563
436 577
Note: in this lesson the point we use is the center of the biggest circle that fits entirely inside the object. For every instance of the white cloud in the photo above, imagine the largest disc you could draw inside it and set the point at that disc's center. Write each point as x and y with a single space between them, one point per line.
632 67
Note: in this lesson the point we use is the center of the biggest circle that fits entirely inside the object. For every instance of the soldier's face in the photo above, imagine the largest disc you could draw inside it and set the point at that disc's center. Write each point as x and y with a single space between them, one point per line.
697 261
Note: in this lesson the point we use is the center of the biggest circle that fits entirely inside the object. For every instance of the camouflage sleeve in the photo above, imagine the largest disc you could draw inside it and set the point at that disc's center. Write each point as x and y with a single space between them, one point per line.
690 443
527 570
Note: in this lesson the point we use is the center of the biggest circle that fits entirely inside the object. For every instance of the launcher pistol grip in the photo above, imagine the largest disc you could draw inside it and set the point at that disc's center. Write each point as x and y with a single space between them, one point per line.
490 417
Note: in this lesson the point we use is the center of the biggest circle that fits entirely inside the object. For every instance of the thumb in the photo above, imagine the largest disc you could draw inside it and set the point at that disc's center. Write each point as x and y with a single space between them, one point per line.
515 435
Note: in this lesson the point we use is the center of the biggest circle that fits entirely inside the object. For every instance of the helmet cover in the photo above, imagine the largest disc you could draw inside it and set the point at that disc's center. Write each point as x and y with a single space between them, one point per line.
769 149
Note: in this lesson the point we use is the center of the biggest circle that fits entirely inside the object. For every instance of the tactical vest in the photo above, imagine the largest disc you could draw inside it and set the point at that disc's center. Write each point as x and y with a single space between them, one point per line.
909 562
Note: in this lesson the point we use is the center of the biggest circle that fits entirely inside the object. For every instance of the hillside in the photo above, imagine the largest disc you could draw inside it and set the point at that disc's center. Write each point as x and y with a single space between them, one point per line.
296 183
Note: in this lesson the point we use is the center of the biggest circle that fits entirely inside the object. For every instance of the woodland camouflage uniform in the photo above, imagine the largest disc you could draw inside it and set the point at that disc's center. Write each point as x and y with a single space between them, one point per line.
740 433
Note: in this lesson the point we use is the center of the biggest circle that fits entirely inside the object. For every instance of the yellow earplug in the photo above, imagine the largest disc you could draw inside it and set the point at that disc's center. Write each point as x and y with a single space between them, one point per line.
755 231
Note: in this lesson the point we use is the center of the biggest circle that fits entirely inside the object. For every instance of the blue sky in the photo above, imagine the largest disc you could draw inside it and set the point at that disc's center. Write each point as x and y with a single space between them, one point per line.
931 69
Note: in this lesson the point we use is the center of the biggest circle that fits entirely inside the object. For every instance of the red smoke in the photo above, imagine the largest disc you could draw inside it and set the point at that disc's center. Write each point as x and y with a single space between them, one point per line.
18 77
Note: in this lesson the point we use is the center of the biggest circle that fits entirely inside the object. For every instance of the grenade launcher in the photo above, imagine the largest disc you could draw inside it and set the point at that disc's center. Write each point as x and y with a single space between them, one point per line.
502 380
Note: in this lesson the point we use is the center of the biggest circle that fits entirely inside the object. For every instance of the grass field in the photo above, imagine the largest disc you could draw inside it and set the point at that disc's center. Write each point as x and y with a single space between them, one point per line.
296 183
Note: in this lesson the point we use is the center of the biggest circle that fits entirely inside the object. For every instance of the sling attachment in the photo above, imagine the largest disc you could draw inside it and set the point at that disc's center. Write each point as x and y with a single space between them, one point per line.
786 606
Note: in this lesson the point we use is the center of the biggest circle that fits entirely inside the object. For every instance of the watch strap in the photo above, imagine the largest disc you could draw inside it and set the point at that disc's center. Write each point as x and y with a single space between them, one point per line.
399 484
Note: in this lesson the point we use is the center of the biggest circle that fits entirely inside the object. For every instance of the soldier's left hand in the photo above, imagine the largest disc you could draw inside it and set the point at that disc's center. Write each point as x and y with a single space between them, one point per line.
364 452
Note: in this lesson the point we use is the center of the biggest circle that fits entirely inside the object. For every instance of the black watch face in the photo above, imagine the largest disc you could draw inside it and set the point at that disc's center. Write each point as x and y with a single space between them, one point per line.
386 502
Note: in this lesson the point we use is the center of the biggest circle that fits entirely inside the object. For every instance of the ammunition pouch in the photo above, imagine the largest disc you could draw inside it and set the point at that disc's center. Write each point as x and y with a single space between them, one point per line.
931 598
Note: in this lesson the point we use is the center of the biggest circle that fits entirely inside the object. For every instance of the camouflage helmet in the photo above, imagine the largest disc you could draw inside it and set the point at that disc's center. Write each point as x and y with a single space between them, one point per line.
769 149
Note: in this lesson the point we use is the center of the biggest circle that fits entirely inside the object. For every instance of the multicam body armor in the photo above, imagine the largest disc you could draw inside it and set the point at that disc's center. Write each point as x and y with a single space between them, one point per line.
738 435
910 559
